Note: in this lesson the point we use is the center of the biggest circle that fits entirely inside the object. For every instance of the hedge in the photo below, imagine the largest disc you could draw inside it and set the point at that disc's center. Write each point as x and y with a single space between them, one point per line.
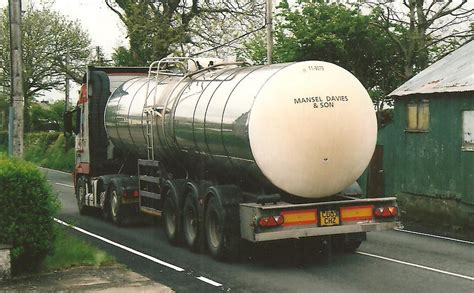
46 149
27 208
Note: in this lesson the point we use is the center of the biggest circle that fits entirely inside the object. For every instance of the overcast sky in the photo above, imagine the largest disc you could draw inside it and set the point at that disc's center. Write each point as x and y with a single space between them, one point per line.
103 26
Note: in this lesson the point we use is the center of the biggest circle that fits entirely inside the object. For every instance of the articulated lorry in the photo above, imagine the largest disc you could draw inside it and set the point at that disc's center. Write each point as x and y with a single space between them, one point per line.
225 152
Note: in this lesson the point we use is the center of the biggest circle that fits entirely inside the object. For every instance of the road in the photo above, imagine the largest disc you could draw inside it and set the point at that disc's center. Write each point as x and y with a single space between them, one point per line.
391 261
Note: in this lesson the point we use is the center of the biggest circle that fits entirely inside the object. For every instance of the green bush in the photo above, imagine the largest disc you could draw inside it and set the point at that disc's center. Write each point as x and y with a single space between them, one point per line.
3 137
27 207
47 150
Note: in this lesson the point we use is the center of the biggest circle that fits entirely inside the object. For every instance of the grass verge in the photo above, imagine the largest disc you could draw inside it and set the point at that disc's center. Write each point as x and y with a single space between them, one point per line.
70 251
47 150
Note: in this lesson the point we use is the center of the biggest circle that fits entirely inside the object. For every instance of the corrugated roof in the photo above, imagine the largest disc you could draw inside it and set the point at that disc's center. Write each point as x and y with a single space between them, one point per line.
453 73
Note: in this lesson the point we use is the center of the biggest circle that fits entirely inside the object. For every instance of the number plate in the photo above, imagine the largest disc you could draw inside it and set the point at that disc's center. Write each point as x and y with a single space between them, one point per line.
329 218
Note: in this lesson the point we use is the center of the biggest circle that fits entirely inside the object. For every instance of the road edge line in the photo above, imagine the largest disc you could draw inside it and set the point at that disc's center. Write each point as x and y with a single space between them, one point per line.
435 236
416 265
153 259
63 184
54 170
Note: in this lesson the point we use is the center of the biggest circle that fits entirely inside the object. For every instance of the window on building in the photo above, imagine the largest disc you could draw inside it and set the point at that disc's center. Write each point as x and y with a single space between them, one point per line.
468 130
418 116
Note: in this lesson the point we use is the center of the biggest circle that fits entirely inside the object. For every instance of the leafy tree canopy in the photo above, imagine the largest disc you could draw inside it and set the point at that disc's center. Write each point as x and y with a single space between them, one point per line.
159 28
49 39
313 30
44 116
423 31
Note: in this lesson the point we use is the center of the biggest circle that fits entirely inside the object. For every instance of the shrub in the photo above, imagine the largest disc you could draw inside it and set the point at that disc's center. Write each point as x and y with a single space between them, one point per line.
27 207
47 150
3 137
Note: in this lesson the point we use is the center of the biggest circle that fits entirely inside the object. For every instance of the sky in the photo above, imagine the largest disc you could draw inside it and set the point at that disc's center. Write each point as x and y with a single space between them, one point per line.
103 25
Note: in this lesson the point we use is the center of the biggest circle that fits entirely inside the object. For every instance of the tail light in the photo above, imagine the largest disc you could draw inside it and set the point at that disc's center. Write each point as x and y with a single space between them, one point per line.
130 193
386 212
270 221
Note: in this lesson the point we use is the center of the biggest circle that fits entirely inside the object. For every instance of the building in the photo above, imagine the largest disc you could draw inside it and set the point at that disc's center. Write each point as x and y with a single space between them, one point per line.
428 150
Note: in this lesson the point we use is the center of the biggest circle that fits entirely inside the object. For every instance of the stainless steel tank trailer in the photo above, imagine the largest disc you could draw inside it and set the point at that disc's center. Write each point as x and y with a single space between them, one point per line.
227 151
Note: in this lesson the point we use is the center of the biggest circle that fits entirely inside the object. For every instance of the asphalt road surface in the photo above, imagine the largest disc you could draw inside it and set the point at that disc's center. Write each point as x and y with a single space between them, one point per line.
392 261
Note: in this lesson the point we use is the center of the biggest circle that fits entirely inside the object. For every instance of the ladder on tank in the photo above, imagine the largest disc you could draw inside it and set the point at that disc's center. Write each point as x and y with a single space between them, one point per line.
169 66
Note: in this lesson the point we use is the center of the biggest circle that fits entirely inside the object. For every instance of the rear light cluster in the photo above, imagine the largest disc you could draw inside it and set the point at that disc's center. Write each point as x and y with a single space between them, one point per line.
133 193
386 212
270 221
345 214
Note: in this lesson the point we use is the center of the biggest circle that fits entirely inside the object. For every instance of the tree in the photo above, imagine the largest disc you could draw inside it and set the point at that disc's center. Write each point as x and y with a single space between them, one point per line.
158 28
430 29
314 30
48 40
45 116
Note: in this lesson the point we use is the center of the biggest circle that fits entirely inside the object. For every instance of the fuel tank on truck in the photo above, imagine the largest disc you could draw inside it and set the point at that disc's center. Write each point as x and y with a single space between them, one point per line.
309 128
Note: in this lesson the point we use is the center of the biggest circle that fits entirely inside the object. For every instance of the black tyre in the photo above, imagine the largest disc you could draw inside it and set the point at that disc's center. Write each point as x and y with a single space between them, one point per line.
191 226
351 246
115 206
172 218
221 244
346 243
82 188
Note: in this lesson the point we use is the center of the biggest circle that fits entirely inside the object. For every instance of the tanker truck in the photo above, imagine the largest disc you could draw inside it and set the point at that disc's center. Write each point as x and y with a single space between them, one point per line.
226 153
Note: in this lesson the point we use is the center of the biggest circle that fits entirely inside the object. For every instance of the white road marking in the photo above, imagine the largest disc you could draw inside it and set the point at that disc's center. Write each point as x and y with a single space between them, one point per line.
67 185
209 281
416 265
57 171
153 259
435 236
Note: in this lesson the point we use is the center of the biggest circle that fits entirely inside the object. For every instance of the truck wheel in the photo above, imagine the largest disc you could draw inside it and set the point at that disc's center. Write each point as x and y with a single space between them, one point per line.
81 191
191 229
171 218
220 243
346 243
351 246
115 204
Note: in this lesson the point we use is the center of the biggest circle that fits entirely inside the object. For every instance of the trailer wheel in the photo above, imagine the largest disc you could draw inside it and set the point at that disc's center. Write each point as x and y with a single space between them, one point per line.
191 227
171 218
347 243
81 191
351 246
220 243
115 204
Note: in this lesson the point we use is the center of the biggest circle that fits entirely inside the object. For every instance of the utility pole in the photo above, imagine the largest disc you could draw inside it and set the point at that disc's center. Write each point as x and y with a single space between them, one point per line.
16 83
66 97
269 27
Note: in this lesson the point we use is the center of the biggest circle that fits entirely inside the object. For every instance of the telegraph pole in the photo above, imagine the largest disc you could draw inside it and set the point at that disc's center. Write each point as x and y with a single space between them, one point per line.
269 26
16 83
66 98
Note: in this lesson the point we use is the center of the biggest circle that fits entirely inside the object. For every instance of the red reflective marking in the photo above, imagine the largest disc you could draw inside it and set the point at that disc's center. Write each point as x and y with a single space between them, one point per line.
302 212
357 218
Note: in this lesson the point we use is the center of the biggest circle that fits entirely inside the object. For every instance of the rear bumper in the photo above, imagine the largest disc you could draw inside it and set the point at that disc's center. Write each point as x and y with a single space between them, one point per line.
250 213
321 231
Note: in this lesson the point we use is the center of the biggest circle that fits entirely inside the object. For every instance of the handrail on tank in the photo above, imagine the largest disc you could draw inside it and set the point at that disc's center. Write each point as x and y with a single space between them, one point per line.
243 63
179 63
174 61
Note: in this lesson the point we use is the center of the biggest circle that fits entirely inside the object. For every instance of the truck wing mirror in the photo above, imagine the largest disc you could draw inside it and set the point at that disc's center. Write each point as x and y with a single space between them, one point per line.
72 120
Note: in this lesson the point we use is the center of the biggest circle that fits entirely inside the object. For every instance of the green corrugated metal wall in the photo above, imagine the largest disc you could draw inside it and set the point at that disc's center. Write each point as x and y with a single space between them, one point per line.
431 163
